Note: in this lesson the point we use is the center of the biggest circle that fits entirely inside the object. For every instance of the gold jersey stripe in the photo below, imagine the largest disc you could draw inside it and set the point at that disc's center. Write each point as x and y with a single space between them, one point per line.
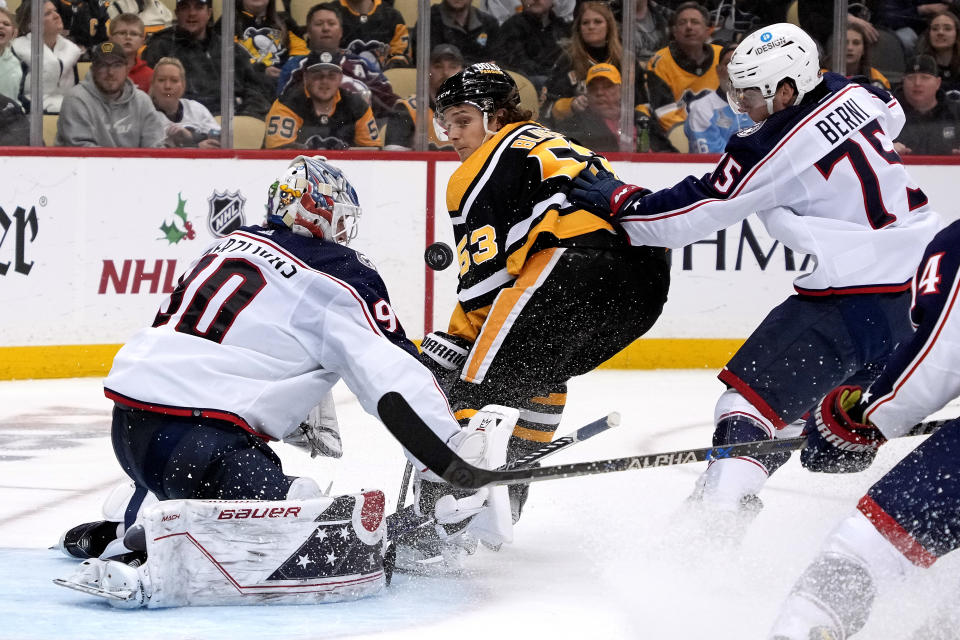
532 434
568 225
467 325
555 399
505 310
464 414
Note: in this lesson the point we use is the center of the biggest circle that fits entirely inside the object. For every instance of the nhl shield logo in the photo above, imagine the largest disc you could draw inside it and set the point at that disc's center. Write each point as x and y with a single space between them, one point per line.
226 212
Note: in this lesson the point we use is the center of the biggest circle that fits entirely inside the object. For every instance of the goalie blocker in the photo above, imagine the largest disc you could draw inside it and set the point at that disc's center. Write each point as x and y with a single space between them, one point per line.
203 552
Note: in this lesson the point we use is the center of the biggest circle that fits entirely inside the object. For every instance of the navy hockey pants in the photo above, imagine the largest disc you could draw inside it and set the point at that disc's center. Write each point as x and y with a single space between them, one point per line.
916 505
178 457
808 345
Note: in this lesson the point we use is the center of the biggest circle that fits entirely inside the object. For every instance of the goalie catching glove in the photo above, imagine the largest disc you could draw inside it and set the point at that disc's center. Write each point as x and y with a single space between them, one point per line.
838 440
482 443
601 193
319 434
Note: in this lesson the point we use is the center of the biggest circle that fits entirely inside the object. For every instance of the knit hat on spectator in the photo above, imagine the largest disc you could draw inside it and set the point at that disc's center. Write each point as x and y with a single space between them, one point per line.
922 64
206 2
604 70
107 52
321 60
446 52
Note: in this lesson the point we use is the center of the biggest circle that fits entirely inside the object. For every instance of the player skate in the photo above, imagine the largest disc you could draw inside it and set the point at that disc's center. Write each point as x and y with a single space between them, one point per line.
461 519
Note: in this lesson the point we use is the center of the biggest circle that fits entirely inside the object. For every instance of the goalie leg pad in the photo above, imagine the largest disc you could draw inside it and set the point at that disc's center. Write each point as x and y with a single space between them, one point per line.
254 552
462 518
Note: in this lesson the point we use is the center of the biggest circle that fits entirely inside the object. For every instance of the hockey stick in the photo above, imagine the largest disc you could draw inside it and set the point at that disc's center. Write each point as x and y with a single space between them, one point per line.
406 519
404 484
407 427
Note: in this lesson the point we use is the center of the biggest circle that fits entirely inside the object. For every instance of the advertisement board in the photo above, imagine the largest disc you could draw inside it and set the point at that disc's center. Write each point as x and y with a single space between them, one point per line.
90 246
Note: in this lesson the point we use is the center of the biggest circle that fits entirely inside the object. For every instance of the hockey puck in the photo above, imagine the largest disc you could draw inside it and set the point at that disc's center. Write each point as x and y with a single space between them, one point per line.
438 256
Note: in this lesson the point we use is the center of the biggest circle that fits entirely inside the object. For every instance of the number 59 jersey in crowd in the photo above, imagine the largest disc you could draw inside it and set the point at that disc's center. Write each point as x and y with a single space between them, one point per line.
824 179
261 326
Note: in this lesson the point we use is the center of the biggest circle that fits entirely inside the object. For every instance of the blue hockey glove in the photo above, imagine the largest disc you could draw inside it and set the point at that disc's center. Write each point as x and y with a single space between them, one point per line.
601 193
838 441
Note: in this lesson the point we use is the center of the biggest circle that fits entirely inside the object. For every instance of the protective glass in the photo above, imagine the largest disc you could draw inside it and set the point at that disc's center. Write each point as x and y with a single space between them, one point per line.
439 129
442 125
743 100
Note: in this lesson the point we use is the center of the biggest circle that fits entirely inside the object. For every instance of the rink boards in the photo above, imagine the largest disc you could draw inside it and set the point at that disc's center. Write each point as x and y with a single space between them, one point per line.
91 244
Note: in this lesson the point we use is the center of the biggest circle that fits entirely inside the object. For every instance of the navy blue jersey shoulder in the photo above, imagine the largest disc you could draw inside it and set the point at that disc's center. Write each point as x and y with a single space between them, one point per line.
937 273
935 279
349 266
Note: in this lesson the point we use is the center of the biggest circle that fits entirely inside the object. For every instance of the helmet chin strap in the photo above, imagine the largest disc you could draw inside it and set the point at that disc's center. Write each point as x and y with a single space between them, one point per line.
769 102
486 121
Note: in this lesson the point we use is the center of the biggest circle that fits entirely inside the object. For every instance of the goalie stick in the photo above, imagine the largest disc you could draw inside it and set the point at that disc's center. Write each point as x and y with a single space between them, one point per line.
405 519
409 429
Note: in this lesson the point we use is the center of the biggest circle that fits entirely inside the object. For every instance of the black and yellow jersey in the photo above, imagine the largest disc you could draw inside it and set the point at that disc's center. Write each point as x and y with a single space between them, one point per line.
293 120
673 81
267 43
383 24
507 202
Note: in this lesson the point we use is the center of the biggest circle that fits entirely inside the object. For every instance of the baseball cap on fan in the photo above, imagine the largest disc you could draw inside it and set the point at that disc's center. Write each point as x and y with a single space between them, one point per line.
446 52
107 52
922 64
320 61
604 70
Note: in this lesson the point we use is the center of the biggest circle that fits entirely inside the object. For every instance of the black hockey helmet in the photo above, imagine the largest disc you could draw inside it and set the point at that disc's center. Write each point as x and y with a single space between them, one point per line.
484 85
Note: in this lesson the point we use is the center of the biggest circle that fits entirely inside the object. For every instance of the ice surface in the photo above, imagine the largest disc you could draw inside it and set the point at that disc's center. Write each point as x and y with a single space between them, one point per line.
593 557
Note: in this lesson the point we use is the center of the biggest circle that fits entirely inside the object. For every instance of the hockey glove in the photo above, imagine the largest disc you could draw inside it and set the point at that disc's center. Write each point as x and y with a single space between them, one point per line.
838 441
444 355
319 434
601 193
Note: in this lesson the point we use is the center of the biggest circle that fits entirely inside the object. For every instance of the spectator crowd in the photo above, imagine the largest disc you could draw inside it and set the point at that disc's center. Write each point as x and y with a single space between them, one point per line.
146 73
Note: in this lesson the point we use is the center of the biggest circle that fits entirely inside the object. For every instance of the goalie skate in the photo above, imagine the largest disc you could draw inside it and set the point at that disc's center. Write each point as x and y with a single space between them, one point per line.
119 583
88 540
423 552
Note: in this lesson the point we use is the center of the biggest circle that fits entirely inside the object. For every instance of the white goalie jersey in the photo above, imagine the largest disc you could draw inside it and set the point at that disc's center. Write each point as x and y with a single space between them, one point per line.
824 179
262 326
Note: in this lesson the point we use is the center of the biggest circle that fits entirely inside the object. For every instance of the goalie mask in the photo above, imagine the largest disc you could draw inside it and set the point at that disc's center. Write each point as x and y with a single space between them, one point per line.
767 57
483 85
313 198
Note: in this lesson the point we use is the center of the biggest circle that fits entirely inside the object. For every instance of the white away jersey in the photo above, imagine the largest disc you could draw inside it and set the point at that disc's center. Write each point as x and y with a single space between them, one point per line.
824 179
922 375
262 326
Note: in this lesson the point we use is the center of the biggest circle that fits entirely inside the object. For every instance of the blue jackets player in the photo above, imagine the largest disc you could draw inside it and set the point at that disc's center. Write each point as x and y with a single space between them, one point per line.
256 333
820 171
911 516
